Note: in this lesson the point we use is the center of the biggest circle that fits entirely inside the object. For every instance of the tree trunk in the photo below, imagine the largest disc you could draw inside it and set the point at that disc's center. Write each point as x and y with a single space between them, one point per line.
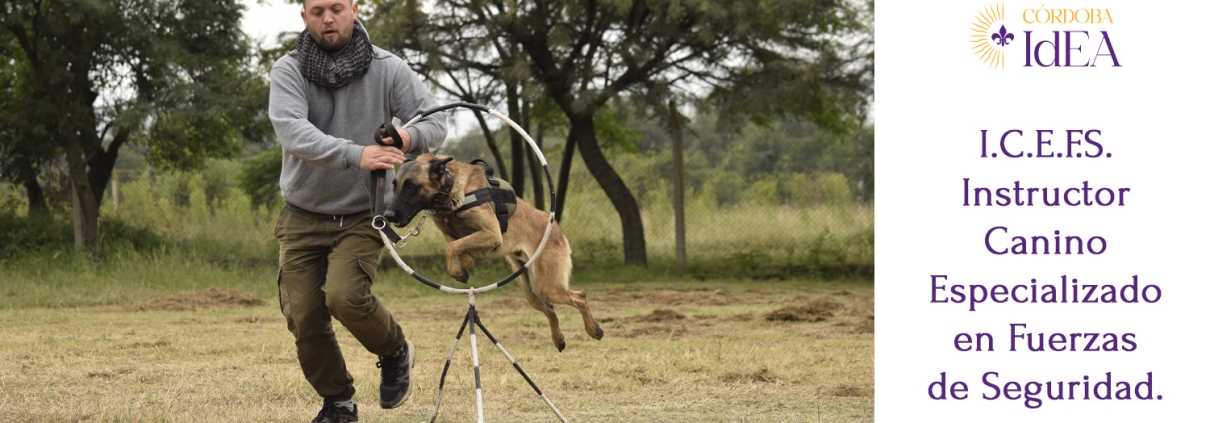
634 243
536 173
100 165
27 174
517 143
85 209
678 180
491 143
569 153
37 197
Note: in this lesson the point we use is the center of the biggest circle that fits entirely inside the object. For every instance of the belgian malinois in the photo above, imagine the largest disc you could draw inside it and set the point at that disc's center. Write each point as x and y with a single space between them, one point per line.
441 185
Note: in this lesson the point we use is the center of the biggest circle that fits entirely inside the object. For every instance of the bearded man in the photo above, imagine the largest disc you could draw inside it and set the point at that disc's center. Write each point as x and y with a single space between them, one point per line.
326 98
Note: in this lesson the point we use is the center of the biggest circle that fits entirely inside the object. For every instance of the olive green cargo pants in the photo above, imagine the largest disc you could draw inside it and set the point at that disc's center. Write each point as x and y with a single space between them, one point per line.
327 266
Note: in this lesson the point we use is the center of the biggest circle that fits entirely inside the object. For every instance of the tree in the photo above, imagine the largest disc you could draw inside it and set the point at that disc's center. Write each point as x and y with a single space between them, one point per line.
468 67
25 126
167 73
807 58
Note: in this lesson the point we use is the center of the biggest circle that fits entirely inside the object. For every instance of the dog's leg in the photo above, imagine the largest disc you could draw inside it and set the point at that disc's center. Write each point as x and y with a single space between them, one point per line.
480 242
538 304
465 261
580 302
553 273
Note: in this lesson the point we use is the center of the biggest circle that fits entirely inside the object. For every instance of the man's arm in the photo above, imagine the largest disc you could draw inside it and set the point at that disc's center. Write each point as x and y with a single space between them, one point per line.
409 96
288 112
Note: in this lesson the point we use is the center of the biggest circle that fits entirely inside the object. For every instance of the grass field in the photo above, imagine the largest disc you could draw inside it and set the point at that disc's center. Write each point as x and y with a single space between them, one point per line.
177 320
716 350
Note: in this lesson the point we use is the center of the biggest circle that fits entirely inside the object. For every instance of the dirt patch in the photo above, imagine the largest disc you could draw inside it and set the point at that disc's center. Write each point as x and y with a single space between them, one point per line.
156 344
865 326
209 298
848 391
529 335
819 303
816 310
507 303
798 314
742 317
658 330
259 319
110 375
428 314
659 315
675 297
762 376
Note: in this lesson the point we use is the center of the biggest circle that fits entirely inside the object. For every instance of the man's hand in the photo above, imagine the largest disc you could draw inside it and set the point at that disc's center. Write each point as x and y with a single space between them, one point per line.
404 135
376 157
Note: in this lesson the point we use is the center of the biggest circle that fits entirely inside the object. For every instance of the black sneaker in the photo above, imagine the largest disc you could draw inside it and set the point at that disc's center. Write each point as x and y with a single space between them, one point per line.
332 413
396 376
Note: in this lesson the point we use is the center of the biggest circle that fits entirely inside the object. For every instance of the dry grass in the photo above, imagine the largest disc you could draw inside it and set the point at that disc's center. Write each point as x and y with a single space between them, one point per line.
671 353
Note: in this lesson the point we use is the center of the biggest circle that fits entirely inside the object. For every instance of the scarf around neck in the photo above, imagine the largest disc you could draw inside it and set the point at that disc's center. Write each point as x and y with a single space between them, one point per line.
320 67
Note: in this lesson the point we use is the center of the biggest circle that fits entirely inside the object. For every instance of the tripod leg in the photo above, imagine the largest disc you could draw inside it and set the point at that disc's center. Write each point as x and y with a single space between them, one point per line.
475 355
515 366
446 369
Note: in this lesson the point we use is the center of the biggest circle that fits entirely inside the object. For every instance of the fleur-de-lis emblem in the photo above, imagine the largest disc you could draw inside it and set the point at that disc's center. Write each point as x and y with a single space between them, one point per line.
1003 37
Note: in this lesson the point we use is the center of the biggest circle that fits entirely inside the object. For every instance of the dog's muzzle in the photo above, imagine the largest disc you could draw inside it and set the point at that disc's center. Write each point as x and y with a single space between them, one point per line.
396 219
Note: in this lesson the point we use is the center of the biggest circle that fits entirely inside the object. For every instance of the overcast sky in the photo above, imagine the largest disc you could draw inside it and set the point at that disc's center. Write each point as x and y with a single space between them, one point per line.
264 19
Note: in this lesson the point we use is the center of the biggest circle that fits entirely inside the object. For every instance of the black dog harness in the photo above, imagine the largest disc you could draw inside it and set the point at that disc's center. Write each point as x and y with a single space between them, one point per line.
498 193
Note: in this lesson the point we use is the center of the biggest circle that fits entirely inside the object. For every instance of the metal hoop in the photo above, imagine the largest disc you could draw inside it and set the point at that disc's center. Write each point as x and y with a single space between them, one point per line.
549 223
472 317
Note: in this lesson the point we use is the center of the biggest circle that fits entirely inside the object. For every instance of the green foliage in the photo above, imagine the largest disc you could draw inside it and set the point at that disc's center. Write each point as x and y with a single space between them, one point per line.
800 58
170 75
612 133
217 183
25 236
259 176
762 191
830 188
25 127
782 162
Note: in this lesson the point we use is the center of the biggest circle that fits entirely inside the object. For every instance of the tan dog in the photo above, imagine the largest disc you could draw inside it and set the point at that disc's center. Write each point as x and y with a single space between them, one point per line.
440 184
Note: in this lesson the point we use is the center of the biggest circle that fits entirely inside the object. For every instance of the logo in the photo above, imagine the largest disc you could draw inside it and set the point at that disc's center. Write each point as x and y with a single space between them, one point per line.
1043 38
990 45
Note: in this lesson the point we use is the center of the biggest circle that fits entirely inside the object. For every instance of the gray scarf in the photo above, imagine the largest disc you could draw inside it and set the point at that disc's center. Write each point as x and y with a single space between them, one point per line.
334 72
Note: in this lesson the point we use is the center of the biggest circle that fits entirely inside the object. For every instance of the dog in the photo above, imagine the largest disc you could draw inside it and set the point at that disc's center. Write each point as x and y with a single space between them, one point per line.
441 185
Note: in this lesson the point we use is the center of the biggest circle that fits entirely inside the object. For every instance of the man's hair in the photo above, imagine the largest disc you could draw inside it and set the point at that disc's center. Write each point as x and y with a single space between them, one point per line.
304 3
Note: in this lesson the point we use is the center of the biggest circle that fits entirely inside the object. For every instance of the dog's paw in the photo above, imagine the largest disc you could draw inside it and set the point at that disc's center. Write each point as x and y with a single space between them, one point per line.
461 275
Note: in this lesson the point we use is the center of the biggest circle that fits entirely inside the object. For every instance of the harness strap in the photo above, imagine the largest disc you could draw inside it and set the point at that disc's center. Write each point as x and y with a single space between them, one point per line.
499 197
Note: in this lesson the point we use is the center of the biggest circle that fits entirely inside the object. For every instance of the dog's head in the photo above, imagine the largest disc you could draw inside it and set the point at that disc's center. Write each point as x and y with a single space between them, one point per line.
418 186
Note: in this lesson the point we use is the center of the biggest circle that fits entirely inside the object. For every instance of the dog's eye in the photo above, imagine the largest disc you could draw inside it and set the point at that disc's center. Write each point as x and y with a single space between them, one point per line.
407 184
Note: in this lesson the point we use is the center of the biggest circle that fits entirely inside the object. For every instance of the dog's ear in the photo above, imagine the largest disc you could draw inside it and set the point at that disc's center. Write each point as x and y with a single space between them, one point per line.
437 169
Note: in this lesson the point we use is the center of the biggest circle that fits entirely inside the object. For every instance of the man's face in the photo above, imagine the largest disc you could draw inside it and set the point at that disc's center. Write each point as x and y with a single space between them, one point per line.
330 23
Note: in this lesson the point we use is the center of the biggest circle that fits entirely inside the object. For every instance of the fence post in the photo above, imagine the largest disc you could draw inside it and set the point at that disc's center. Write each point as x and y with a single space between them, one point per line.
678 180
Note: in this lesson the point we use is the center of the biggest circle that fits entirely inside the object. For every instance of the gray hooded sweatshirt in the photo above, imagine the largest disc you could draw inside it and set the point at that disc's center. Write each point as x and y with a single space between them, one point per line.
323 130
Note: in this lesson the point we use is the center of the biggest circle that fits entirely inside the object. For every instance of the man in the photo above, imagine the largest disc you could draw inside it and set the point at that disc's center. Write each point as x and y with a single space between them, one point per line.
326 99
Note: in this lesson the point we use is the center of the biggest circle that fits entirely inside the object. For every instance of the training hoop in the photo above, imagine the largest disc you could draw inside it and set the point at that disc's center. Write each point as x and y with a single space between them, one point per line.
533 146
